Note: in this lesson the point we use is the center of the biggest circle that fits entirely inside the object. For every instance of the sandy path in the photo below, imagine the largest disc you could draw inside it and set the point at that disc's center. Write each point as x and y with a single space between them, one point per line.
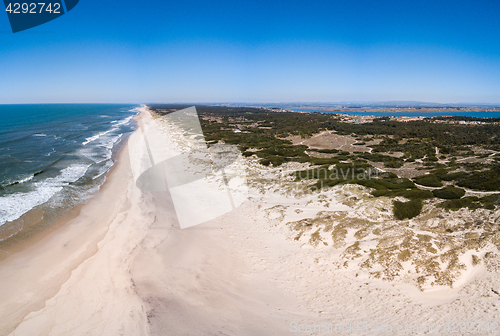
329 140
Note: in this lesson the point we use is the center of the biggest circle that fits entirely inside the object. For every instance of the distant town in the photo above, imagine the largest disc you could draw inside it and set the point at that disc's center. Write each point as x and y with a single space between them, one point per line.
345 116
358 119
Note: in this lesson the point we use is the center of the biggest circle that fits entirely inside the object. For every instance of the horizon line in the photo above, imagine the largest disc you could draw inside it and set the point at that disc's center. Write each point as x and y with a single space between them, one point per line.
294 103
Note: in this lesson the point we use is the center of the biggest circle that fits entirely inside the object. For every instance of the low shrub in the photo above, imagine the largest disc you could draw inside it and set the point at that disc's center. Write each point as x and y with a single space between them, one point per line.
431 159
455 204
493 198
407 210
396 183
449 192
416 193
321 161
428 180
274 160
410 194
483 180
453 176
472 202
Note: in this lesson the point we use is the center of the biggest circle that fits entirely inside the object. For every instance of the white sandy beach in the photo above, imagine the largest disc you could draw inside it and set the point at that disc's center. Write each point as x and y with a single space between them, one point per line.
123 266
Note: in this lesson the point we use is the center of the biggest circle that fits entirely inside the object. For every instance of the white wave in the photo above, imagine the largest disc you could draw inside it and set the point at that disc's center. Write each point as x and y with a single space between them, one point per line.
26 179
110 144
97 176
40 134
115 139
124 121
116 125
104 170
29 178
74 172
96 154
15 205
98 157
103 157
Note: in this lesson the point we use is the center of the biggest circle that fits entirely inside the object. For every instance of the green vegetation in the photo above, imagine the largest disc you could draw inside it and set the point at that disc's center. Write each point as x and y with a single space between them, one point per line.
360 173
329 151
455 204
459 156
493 199
264 132
483 180
387 184
445 176
422 136
389 161
449 192
410 194
486 180
407 210
487 202
429 180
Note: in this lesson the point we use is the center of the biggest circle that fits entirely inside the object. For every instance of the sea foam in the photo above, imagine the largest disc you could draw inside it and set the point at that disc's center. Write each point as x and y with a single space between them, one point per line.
15 205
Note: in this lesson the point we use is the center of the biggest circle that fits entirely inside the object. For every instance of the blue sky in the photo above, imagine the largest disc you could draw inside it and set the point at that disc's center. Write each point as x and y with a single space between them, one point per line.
256 51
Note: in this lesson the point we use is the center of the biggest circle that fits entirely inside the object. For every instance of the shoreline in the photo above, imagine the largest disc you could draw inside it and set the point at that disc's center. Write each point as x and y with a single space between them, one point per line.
123 258
123 265
32 226
54 265
32 249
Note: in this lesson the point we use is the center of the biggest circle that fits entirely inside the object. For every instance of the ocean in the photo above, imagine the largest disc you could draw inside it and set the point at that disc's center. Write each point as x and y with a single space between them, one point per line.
55 156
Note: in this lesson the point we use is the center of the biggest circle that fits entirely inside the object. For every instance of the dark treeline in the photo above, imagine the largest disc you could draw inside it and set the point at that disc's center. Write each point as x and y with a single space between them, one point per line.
263 132
306 124
439 135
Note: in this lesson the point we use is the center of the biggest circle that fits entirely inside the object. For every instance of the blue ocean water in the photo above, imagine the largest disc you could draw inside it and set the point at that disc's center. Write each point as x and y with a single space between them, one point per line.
475 114
56 156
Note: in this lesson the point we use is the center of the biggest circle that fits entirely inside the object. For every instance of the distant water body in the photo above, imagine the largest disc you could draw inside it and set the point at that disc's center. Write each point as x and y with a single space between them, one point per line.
53 157
475 114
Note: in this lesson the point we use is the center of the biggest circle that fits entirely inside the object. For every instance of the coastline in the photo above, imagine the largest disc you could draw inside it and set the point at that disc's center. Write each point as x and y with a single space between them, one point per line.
48 258
51 252
121 259
41 220
123 265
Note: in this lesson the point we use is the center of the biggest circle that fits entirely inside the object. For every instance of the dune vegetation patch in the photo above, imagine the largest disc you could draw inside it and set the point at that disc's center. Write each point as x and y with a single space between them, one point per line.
424 195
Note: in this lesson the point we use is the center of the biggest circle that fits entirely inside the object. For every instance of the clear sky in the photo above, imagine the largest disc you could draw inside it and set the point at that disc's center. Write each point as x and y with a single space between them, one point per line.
256 51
